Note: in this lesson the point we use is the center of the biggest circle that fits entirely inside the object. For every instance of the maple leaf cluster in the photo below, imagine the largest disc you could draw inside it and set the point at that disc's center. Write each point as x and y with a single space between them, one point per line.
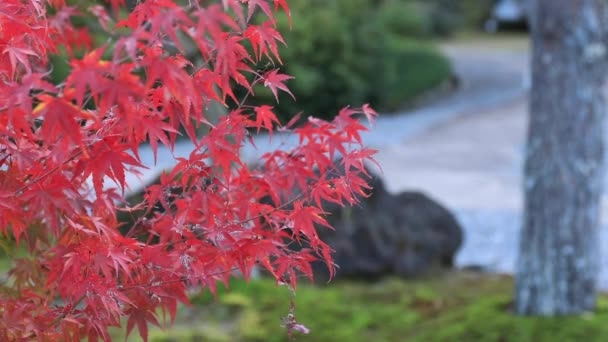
63 145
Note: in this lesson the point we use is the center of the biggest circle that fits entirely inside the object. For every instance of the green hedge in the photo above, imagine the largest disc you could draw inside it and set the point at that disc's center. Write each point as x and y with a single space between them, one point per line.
449 16
349 52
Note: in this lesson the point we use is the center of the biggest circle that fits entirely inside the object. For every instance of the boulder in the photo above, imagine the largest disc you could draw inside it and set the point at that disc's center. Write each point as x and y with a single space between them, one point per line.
407 234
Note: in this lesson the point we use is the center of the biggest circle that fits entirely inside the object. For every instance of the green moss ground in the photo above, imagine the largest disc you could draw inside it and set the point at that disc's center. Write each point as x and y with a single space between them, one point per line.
460 306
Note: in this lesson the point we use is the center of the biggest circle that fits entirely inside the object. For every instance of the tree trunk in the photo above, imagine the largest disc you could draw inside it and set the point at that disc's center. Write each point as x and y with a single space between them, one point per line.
559 248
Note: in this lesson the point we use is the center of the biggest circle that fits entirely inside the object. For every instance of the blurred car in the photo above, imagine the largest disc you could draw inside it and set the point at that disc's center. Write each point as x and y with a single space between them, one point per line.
508 13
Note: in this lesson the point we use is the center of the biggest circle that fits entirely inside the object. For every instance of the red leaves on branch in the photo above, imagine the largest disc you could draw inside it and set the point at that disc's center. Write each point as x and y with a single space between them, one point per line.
265 118
264 40
275 81
66 151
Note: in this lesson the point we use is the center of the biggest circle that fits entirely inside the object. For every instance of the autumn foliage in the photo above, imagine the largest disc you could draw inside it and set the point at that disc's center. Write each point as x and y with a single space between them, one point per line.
65 149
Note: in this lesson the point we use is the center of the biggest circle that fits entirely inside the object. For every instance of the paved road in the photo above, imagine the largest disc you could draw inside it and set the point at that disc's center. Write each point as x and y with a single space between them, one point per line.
471 136
466 151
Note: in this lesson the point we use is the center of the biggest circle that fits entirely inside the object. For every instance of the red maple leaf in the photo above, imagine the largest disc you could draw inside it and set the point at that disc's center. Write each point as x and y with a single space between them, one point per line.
264 38
274 81
285 7
304 219
109 160
264 117
262 4
19 56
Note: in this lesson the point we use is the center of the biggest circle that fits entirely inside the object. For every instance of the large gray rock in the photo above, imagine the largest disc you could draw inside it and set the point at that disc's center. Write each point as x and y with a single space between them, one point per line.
407 234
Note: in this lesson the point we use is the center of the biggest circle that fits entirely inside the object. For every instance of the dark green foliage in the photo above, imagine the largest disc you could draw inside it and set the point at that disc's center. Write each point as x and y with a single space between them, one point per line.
343 52
449 16
349 52
60 68
475 12
415 69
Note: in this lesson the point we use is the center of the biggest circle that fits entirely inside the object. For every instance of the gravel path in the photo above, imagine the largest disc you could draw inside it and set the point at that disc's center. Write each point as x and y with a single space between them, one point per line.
471 162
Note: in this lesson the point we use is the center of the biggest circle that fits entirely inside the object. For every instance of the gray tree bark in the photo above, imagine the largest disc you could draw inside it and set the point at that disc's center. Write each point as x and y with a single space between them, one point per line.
559 253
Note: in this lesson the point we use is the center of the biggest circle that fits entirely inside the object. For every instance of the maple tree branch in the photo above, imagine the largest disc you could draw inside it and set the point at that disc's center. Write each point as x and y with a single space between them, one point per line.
56 321
249 92
126 288
178 280
46 174
57 167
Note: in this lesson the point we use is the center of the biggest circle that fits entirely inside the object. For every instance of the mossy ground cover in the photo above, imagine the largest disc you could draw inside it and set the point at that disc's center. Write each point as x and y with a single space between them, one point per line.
459 306
456 306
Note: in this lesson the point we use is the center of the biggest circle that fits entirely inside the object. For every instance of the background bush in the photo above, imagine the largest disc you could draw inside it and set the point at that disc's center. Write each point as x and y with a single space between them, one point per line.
448 16
349 52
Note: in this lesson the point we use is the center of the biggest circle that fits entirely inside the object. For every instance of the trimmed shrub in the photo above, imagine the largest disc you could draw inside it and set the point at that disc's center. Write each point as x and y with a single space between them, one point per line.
355 51
345 52
417 68
448 16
